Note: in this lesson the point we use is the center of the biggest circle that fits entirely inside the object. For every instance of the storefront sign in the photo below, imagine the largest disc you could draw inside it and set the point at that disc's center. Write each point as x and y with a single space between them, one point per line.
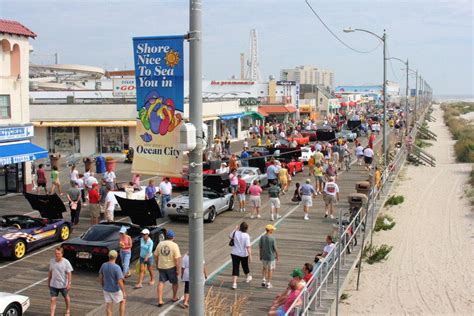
249 101
124 87
229 83
159 74
286 83
16 133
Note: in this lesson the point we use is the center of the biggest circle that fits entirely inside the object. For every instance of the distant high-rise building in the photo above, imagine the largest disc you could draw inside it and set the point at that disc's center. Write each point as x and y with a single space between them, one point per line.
309 75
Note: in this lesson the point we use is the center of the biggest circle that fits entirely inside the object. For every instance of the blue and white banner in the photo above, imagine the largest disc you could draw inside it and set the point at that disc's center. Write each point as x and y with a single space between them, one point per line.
159 76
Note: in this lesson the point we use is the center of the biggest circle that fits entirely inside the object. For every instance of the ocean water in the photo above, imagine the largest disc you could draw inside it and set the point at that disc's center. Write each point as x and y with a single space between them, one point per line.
454 98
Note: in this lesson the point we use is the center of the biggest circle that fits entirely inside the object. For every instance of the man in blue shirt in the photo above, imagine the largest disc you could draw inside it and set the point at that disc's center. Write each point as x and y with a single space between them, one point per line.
150 190
307 192
111 281
272 172
243 158
146 258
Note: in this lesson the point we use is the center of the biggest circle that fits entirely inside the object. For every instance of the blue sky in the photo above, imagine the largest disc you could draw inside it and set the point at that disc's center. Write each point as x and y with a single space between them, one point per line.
435 35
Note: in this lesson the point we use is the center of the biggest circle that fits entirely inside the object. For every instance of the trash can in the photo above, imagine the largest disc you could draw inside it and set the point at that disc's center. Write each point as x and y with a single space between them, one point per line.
363 187
54 159
110 164
356 199
88 162
99 165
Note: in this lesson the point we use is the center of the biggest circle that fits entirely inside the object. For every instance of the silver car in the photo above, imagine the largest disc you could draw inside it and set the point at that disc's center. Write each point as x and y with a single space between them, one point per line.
249 174
214 204
347 134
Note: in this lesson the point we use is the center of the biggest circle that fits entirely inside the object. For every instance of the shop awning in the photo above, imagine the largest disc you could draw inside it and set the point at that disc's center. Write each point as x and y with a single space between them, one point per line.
254 115
231 116
277 109
20 152
84 123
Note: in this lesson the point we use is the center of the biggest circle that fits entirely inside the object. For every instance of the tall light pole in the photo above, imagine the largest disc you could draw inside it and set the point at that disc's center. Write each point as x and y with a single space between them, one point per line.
383 38
196 225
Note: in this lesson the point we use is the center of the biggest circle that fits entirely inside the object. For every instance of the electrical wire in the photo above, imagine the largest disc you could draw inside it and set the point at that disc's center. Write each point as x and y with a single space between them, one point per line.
391 65
337 37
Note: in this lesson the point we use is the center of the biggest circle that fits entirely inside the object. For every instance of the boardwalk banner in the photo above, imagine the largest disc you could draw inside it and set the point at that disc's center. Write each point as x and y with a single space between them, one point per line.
159 76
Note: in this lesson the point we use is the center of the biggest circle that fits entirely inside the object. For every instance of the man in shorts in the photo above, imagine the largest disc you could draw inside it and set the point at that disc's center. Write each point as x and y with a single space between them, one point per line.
307 193
168 263
268 255
368 157
146 258
331 196
110 202
111 281
241 188
59 279
274 193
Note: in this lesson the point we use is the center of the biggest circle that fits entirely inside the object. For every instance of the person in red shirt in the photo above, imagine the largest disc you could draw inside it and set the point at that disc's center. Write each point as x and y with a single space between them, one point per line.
41 179
241 188
307 272
94 206
371 140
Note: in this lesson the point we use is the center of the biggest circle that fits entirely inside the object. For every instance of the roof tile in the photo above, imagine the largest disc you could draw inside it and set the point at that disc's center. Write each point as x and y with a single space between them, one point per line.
15 28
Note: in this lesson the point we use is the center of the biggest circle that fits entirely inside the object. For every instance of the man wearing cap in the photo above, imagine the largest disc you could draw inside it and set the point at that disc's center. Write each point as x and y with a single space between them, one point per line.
331 196
146 258
307 192
94 206
111 281
168 263
268 255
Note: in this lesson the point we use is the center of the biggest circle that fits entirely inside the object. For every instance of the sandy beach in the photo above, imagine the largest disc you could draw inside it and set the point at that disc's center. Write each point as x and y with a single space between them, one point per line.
430 269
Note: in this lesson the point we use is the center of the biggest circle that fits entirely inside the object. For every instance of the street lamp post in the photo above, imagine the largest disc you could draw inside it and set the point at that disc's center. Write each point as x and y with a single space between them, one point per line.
383 38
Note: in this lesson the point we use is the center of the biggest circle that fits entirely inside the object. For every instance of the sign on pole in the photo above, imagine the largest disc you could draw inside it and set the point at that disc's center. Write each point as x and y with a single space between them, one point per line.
124 87
159 70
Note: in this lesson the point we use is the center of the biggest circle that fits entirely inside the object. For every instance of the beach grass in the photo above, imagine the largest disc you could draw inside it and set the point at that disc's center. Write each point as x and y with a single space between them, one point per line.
374 254
461 129
381 223
394 200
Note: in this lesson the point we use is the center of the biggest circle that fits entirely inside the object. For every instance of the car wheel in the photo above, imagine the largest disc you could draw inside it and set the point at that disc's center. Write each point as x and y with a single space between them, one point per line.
19 249
211 215
64 232
231 203
12 310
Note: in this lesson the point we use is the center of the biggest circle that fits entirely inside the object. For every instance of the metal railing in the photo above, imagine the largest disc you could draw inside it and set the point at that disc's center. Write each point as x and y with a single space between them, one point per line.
311 297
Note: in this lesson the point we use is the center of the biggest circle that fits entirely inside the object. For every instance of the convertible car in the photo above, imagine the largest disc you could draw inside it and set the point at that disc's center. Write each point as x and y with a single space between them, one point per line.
216 198
91 248
21 233
292 165
182 182
300 139
13 304
249 174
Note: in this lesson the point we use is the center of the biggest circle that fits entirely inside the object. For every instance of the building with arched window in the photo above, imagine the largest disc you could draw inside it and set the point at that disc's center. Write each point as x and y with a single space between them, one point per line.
16 131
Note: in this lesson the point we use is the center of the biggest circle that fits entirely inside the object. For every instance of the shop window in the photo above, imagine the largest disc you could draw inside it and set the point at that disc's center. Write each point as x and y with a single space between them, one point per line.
112 139
64 140
5 108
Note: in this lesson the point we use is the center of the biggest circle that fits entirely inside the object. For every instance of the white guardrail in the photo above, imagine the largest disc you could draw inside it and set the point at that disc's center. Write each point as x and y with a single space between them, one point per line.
310 298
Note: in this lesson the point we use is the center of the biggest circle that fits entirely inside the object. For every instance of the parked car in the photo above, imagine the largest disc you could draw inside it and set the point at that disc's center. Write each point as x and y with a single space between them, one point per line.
13 304
311 134
293 166
300 139
91 248
306 154
21 233
183 182
249 174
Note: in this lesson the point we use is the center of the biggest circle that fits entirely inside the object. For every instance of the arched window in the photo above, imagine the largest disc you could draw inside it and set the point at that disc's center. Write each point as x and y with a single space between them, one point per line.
15 61
5 58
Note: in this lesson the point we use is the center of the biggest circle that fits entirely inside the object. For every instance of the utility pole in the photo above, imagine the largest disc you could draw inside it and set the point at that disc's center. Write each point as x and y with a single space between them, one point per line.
196 225
416 95
407 122
384 144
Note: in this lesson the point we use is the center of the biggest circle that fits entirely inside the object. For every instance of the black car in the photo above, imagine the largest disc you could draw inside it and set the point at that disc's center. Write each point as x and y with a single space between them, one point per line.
91 248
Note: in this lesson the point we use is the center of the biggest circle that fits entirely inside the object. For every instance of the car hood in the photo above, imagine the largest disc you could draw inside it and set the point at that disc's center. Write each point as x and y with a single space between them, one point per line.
12 297
141 212
183 200
49 206
78 241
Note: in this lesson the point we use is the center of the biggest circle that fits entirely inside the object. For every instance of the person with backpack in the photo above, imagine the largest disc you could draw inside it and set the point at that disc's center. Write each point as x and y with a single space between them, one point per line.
241 253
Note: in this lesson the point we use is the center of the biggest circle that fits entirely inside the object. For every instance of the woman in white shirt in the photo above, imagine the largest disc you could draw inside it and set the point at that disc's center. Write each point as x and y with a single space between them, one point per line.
73 175
241 253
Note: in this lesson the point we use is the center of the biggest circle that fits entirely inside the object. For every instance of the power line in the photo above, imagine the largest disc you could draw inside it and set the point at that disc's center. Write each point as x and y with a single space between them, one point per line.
391 65
336 37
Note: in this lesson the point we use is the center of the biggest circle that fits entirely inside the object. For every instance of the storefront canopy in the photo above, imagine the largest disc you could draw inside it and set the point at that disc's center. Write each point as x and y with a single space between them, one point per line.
231 116
20 152
84 123
254 115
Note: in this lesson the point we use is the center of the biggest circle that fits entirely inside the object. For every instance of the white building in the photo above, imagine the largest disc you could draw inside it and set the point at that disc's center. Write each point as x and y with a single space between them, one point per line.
16 151
309 75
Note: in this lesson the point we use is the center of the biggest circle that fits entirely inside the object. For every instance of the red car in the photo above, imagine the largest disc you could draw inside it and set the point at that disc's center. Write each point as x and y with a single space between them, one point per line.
300 139
293 166
183 182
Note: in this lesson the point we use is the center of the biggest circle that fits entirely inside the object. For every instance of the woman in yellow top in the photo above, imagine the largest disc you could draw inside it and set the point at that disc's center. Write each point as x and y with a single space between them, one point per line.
318 174
283 176
259 141
268 142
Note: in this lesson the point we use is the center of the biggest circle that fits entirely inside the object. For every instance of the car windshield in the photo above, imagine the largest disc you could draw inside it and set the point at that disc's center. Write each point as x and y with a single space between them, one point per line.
246 172
101 233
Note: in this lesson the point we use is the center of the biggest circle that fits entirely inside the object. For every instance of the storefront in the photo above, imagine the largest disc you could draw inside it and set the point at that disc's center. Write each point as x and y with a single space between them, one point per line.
64 139
15 153
112 140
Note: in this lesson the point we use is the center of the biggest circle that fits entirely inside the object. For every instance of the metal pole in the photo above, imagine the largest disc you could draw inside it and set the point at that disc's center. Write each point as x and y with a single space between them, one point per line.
416 96
384 38
339 261
196 225
363 242
407 122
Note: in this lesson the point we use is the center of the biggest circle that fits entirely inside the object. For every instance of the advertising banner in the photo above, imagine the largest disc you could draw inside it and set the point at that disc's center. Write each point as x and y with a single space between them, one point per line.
159 77
124 87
